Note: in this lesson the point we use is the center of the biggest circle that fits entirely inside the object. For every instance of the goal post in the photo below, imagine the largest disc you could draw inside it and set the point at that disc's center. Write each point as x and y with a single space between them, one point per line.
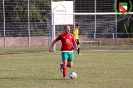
114 16
101 13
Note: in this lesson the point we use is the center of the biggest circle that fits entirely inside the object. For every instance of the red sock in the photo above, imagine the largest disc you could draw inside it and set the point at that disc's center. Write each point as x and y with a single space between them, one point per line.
64 71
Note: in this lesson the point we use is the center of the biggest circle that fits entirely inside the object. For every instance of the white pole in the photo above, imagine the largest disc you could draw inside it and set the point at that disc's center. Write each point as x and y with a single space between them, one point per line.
95 21
116 29
113 35
94 35
53 27
74 12
53 32
4 24
28 26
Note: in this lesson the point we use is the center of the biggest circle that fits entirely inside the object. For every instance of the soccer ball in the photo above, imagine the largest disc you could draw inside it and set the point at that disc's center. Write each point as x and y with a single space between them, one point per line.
73 75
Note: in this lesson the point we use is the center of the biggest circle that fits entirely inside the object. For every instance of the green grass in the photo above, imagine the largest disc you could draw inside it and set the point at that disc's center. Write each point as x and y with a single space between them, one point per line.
35 67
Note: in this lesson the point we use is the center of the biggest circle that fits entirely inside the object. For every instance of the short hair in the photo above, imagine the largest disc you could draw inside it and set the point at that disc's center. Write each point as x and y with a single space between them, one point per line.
78 24
65 26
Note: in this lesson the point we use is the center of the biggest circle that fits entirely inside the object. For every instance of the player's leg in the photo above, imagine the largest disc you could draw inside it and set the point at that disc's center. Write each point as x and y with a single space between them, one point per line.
64 64
77 41
69 64
67 59
70 59
78 48
64 68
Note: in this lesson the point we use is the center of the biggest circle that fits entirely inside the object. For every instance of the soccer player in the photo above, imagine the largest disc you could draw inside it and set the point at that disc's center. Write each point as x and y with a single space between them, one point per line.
76 36
67 54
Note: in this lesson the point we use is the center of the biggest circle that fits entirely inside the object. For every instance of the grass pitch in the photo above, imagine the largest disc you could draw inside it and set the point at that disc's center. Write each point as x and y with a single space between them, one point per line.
35 67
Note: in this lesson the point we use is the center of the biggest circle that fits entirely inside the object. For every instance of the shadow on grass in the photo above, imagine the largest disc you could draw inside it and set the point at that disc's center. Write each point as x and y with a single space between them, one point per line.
23 78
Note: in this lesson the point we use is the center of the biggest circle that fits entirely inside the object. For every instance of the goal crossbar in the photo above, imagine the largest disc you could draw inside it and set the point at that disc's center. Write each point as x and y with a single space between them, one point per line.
107 13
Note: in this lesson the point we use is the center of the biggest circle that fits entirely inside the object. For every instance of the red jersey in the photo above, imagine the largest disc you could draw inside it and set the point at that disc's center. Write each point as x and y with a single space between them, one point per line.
67 42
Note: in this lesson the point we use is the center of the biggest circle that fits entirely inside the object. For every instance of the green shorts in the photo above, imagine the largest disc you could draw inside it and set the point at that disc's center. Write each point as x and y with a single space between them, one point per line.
69 56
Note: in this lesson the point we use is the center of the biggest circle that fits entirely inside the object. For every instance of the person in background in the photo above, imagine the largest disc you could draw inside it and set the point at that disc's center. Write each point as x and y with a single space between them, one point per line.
76 36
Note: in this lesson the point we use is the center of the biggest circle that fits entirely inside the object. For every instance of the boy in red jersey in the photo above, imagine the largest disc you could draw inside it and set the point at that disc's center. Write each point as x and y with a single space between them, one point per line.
67 54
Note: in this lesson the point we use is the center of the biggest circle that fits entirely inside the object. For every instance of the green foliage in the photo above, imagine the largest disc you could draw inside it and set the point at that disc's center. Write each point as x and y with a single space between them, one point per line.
16 16
38 9
17 11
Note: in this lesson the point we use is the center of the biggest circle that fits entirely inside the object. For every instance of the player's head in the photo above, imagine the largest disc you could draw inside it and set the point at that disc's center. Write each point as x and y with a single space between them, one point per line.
77 25
67 29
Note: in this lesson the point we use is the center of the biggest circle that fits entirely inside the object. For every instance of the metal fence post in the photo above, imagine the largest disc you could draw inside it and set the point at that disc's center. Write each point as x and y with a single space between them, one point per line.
4 24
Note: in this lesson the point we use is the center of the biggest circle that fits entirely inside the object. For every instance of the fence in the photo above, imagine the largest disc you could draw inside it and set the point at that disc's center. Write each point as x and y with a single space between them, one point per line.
28 23
23 23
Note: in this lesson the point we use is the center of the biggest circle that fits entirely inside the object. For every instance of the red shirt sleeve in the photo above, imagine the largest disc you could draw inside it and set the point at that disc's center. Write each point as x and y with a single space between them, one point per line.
58 38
